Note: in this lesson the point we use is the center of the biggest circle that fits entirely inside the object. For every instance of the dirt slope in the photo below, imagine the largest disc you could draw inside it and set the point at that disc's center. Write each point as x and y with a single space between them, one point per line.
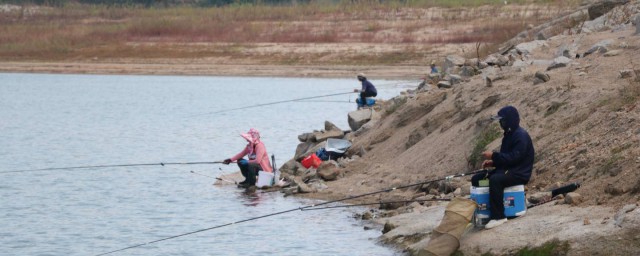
584 122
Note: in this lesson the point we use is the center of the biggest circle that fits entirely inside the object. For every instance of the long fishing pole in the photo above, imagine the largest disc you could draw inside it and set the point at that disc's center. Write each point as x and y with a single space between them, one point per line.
295 209
269 103
382 202
106 166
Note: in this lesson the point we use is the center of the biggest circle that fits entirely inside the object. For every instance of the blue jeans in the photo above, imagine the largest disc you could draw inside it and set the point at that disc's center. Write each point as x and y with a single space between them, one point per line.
249 171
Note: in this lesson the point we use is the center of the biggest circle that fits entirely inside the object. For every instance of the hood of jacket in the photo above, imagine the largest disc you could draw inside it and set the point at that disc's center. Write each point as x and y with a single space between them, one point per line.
509 118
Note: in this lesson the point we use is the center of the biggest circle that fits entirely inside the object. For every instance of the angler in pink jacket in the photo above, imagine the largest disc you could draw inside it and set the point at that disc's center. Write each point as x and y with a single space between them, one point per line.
258 158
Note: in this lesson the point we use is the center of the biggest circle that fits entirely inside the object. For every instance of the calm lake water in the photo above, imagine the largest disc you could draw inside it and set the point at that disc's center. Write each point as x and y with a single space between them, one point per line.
76 120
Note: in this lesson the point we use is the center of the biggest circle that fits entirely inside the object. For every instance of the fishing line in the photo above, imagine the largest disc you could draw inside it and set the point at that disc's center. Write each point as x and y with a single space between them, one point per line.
296 209
217 178
106 166
337 101
269 103
382 202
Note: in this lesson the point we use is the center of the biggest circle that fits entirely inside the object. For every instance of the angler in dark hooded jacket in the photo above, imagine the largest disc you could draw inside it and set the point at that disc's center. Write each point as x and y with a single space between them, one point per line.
513 164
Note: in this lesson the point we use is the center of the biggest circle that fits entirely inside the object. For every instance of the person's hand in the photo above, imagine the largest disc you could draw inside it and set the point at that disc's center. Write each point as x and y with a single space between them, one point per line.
487 154
487 163
226 161
356 90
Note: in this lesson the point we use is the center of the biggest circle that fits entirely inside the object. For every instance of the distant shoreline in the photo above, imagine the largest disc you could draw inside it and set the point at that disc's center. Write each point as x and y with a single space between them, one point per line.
199 69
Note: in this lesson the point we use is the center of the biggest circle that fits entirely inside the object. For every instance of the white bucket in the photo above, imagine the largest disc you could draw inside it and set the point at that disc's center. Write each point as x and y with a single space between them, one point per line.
265 179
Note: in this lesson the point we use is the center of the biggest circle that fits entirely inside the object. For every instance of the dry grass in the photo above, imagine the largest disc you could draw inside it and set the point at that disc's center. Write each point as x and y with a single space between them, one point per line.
78 31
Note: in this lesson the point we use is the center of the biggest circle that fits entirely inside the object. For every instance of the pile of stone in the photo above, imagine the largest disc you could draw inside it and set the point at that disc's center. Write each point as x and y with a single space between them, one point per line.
516 54
306 180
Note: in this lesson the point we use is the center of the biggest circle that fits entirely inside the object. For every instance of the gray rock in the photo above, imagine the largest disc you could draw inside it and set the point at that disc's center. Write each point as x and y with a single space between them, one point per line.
601 47
305 137
619 217
613 53
497 59
303 148
455 79
602 7
529 47
324 135
468 71
388 227
302 187
559 63
329 126
310 151
358 118
444 84
542 76
568 51
453 61
519 64
309 174
318 185
573 198
543 63
596 25
491 77
328 171
539 197
290 167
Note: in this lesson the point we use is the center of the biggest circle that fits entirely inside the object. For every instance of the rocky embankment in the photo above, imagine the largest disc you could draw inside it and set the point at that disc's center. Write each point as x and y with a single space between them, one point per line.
577 89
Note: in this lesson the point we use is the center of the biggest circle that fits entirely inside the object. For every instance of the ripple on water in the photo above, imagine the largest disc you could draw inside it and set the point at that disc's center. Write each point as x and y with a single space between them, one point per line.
78 120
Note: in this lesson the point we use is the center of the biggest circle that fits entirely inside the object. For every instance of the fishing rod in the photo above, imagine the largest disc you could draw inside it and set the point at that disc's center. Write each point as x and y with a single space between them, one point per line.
269 103
382 202
295 209
106 166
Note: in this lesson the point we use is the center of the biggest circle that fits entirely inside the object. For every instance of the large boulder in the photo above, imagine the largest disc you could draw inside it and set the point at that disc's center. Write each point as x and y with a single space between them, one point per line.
528 47
303 148
600 8
453 61
324 135
329 126
358 118
290 167
328 170
311 150
308 136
